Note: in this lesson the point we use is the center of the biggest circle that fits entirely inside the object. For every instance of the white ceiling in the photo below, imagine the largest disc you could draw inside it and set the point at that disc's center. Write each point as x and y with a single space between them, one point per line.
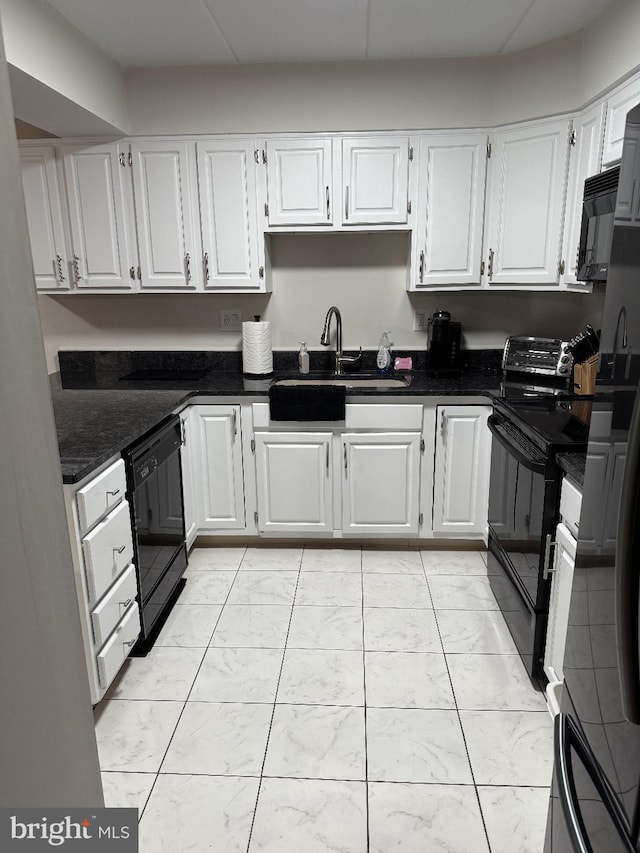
209 32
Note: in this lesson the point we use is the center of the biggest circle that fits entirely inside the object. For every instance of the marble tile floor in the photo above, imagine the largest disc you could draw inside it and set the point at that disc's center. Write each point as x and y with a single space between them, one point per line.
328 699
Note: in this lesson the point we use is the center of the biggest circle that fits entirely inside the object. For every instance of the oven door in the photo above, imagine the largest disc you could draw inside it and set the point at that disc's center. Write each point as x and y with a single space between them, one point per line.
523 501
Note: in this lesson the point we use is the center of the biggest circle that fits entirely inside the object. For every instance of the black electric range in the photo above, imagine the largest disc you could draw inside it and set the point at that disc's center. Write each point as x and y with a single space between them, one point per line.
530 424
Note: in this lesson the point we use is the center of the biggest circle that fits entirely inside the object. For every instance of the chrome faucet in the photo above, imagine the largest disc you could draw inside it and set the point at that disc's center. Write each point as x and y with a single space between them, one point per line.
324 340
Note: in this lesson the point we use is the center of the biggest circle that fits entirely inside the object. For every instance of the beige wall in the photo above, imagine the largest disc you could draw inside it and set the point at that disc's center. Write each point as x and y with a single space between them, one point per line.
363 274
57 74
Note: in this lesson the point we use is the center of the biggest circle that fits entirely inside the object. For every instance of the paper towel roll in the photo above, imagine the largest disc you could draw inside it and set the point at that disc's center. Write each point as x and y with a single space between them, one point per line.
257 356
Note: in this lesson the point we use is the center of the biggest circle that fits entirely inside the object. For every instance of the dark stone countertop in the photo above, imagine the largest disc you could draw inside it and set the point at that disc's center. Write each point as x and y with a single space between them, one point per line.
98 414
573 464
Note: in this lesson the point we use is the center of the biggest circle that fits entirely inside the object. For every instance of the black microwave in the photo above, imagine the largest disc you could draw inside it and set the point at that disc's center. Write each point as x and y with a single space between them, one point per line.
596 234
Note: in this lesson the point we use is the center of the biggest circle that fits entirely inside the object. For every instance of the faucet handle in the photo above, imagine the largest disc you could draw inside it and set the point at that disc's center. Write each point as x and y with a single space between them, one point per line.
349 359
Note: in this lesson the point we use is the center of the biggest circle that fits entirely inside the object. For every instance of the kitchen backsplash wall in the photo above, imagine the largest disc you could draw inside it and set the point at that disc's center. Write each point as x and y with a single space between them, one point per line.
363 274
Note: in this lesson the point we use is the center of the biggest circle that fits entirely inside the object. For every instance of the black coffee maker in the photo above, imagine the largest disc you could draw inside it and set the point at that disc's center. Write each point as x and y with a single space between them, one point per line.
444 343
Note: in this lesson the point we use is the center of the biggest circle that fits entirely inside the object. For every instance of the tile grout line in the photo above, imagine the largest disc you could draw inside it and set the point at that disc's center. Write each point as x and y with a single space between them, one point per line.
364 686
464 739
190 689
275 696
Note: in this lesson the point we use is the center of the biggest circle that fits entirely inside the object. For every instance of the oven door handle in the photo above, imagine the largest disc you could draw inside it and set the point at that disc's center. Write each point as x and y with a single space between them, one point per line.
493 422
567 736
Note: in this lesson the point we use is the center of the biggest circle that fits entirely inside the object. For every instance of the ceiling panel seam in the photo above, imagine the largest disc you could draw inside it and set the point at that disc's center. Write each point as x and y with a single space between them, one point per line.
368 31
517 26
223 35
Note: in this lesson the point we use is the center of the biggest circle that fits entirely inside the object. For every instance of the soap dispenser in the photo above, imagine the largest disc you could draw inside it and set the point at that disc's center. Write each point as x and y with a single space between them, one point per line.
303 358
383 360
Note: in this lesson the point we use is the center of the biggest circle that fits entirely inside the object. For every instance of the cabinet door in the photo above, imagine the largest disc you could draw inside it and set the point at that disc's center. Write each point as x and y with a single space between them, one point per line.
618 458
221 488
584 162
228 216
380 483
461 478
525 204
42 198
299 182
165 190
98 182
562 581
375 175
618 105
451 185
294 482
190 456
591 512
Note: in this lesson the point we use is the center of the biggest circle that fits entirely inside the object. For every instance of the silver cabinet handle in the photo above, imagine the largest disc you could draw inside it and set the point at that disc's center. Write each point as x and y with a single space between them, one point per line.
328 207
187 263
491 253
206 266
548 545
346 203
76 268
234 422
327 459
345 456
130 643
120 549
113 492
126 603
59 266
422 266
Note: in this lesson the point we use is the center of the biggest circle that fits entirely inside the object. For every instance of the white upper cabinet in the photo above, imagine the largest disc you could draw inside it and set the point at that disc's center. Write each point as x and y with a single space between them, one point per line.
525 204
42 197
375 178
103 238
619 102
228 216
451 186
584 162
166 210
299 181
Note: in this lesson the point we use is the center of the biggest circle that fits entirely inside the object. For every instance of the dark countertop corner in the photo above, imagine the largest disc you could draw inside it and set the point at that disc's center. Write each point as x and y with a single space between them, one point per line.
573 464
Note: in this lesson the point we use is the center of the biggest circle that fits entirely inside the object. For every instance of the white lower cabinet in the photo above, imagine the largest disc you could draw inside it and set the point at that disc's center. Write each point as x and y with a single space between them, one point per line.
215 466
102 549
564 565
380 483
461 471
294 482
189 459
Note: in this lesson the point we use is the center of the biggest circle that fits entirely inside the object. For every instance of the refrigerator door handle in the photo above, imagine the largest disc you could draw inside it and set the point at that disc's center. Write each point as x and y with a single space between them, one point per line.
626 578
568 737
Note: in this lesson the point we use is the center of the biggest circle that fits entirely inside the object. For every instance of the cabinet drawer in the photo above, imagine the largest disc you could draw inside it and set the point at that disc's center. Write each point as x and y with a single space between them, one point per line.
115 650
107 550
114 605
570 503
101 495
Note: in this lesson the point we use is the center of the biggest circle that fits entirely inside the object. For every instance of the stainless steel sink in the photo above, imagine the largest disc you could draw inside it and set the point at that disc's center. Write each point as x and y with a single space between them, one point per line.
354 381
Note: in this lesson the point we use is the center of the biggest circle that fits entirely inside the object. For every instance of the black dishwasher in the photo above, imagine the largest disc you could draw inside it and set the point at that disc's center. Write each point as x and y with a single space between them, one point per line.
154 491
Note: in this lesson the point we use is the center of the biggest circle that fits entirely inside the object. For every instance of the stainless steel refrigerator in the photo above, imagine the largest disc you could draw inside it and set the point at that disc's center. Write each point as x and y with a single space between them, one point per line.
595 803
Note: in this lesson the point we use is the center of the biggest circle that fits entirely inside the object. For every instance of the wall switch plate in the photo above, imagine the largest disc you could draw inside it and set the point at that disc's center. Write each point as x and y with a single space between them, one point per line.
230 320
420 320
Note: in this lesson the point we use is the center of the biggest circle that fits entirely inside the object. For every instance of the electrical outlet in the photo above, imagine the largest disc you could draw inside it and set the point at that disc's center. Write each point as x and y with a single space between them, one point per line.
230 320
420 320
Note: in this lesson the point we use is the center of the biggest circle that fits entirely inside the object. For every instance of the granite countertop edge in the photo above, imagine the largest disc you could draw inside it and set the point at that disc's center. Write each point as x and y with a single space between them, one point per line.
97 420
573 464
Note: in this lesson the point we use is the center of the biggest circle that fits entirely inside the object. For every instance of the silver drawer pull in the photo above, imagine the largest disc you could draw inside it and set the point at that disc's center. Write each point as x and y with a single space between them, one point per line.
130 643
126 603
114 492
120 549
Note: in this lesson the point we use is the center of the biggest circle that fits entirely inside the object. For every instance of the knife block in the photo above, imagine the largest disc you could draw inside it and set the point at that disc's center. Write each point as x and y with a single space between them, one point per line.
584 383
